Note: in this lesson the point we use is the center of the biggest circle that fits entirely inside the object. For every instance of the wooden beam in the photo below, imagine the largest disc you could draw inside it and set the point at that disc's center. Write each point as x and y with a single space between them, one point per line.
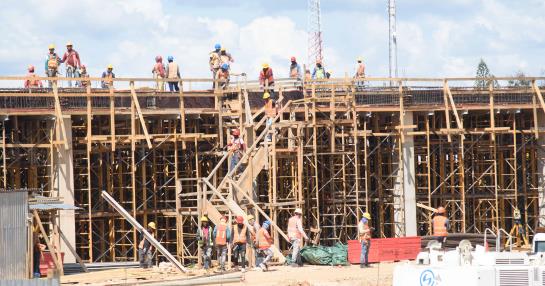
447 112
539 95
112 116
139 111
451 99
78 259
58 114
534 111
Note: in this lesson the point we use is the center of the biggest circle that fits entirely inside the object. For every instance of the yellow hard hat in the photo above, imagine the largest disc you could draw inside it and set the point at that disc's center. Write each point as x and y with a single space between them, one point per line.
266 95
51 46
110 66
222 50
367 215
265 65
250 217
69 43
152 225
204 218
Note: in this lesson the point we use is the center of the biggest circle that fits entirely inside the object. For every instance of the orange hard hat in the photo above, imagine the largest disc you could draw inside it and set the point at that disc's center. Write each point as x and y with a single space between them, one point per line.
441 210
240 219
293 59
236 132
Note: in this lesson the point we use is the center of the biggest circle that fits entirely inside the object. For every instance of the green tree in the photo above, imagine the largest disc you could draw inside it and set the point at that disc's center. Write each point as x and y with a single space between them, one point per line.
484 76
520 80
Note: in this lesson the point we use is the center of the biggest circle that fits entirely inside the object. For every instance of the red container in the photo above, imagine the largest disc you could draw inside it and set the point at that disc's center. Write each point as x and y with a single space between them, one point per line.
47 262
386 249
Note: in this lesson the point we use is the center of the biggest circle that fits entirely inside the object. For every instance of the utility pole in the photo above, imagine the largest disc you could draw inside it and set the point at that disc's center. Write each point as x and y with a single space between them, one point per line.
314 32
392 45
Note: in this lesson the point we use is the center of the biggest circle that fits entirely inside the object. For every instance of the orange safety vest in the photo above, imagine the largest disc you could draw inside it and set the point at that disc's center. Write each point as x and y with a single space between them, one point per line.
364 233
221 235
439 226
33 82
52 62
262 240
293 232
240 238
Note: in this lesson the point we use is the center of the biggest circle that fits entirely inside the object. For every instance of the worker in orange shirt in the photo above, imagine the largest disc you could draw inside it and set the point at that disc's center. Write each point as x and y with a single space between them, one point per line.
241 236
31 81
264 243
296 235
266 79
440 224
222 236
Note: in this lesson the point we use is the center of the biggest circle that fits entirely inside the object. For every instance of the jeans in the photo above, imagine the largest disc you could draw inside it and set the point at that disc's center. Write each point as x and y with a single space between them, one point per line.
173 86
269 122
295 251
234 161
51 73
240 251
145 258
36 263
221 251
207 256
268 256
364 256
71 72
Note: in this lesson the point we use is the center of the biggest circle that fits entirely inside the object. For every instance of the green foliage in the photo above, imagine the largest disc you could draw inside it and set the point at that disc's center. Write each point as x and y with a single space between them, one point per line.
520 81
484 77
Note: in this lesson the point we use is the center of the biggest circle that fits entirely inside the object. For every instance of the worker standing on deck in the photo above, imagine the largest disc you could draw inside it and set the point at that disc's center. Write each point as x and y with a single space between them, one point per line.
253 229
236 147
225 57
270 112
52 62
364 237
31 81
173 73
107 77
296 234
223 76
205 242
241 236
222 235
266 79
72 62
158 72
264 242
308 76
295 69
319 71
441 225
215 62
145 249
359 75
83 74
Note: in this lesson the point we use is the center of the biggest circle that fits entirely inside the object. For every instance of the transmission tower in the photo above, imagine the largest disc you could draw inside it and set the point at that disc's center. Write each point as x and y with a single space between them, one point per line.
392 45
314 32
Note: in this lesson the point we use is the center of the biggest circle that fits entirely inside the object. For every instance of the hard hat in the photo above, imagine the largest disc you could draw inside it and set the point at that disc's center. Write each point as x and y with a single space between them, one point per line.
51 47
110 66
69 43
318 61
223 218
266 95
83 66
266 223
441 210
236 132
293 59
30 68
170 58
240 219
360 59
225 66
366 215
298 211
250 217
204 218
265 65
152 225
217 46
158 58
222 50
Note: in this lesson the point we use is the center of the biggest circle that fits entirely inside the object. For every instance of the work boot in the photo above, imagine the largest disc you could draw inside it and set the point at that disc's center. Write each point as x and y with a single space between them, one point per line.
294 265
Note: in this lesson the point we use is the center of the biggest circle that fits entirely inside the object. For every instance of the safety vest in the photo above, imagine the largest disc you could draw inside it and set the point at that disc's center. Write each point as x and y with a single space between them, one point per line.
52 62
240 238
214 60
361 70
225 59
364 232
293 71
208 239
221 235
293 232
439 226
319 73
33 82
223 74
263 242
172 70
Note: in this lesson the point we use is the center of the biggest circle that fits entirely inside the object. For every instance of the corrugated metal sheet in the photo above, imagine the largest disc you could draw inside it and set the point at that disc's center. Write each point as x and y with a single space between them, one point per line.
30 282
50 207
13 235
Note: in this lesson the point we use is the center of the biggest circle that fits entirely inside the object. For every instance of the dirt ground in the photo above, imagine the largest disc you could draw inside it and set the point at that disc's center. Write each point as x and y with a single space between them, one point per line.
309 275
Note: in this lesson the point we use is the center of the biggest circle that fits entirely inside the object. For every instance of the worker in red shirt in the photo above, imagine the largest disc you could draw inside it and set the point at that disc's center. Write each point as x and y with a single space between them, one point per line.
266 79
159 72
72 62
31 82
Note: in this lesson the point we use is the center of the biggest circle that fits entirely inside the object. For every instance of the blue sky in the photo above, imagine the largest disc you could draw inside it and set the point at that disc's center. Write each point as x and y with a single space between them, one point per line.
435 38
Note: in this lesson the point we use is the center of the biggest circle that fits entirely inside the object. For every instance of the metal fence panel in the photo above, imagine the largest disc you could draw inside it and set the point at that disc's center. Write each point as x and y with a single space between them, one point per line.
13 235
31 282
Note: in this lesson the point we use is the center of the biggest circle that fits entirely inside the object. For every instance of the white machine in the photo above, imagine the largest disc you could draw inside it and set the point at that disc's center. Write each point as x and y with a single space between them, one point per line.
474 267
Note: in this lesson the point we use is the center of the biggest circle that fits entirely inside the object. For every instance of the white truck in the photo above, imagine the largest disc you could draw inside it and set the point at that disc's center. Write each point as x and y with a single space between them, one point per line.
474 267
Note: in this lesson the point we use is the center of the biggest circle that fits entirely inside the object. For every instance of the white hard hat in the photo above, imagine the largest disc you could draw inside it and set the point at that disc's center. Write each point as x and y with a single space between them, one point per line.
298 211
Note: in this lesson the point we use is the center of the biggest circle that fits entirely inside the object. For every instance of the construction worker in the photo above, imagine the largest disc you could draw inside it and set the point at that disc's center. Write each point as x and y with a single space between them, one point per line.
364 237
296 234
158 72
319 71
308 76
72 62
264 243
223 76
236 148
222 236
295 69
83 74
252 251
31 81
173 72
52 62
241 237
440 225
205 242
145 249
107 76
266 79
225 57
270 112
360 69
215 62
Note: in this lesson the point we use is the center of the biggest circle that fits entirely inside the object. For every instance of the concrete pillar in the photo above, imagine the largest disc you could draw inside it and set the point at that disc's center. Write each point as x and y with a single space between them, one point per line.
64 183
409 181
541 168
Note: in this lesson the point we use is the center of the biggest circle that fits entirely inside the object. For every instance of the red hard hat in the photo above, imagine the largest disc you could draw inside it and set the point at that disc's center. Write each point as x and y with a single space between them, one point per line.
240 219
236 132
158 58
30 68
293 59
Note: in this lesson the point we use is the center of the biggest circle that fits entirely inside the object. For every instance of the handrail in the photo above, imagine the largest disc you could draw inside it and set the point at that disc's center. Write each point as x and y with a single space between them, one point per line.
485 242
508 235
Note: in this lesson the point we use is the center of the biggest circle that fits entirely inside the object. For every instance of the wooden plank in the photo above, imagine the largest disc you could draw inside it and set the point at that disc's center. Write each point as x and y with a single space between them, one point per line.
447 111
112 117
457 117
58 114
139 111
534 111
78 259
539 95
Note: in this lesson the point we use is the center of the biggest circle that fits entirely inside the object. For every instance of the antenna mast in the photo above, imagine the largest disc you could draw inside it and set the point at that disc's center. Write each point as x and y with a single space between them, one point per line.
314 32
